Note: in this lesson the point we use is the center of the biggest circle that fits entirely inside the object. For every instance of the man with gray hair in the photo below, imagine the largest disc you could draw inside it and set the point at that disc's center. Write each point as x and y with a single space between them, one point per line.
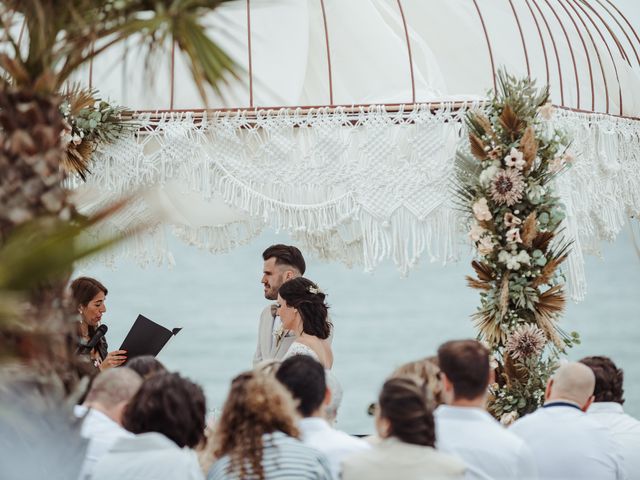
102 412
566 443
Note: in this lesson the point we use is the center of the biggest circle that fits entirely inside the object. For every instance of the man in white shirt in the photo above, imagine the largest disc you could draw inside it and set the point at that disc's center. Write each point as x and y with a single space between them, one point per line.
566 443
464 427
305 378
102 412
607 409
281 263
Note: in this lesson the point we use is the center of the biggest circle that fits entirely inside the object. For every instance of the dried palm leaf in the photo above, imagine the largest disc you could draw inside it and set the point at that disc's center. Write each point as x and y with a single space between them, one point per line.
478 284
552 301
529 229
514 370
547 324
485 272
547 272
504 295
510 122
77 157
489 326
477 147
542 240
484 122
529 147
78 98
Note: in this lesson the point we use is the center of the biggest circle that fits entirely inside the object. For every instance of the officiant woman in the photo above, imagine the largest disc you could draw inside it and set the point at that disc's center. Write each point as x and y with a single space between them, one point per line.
89 297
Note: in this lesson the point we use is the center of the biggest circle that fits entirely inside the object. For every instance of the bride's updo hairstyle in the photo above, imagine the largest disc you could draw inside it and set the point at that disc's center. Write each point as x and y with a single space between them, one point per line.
405 404
306 297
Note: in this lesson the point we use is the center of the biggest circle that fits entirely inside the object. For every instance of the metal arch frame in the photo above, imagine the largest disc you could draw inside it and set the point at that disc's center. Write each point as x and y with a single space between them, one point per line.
589 13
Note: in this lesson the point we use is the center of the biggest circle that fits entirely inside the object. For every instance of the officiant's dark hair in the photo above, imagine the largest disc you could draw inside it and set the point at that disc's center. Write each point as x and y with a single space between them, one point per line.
169 404
286 255
404 402
305 296
304 377
84 289
466 365
609 379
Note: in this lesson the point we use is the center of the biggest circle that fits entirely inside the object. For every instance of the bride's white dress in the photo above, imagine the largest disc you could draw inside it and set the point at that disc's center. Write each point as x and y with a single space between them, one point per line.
298 348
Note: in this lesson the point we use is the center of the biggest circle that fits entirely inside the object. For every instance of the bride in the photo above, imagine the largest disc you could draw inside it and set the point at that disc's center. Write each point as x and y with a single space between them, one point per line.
302 309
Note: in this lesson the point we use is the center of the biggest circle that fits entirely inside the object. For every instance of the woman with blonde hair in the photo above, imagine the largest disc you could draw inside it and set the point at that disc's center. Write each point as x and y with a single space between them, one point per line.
257 438
428 372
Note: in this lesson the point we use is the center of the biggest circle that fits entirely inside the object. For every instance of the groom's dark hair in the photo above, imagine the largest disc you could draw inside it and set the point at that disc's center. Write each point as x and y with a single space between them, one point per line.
286 255
304 377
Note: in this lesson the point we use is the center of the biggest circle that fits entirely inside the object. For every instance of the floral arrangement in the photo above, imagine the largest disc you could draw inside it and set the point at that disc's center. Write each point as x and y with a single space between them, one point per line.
504 184
89 121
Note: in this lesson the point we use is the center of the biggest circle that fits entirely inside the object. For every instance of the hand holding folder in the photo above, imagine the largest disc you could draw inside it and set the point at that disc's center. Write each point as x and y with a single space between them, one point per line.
146 337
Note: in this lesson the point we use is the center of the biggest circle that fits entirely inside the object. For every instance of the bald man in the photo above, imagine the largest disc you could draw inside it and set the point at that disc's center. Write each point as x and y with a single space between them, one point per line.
566 443
102 412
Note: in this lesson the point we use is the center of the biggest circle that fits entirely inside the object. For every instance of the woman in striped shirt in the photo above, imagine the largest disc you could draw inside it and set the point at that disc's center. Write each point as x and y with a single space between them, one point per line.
257 438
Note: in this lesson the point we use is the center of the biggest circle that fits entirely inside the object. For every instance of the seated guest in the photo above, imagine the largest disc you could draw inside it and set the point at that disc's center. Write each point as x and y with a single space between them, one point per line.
102 413
607 409
304 377
303 311
167 416
89 297
428 371
405 424
566 443
465 428
256 437
146 365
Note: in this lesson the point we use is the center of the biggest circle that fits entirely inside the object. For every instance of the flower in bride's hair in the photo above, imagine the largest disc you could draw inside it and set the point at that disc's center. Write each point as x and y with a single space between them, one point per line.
526 341
314 290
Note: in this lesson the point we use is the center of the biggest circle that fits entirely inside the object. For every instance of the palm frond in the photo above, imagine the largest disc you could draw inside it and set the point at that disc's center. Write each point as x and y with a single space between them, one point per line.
484 271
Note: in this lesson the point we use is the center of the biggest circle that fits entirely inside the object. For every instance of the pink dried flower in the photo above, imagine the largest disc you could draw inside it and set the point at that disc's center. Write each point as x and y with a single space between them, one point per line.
476 232
481 210
485 245
515 159
510 220
513 236
546 111
507 187
526 341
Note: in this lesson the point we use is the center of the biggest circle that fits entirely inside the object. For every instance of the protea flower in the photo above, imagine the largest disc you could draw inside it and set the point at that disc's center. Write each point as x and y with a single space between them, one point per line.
507 187
526 341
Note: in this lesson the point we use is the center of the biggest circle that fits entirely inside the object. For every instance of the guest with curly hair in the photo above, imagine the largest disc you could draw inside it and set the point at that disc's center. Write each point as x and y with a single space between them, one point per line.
167 414
303 311
607 409
405 423
257 438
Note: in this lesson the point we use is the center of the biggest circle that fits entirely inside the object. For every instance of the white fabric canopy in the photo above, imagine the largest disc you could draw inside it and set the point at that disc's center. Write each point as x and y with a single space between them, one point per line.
361 184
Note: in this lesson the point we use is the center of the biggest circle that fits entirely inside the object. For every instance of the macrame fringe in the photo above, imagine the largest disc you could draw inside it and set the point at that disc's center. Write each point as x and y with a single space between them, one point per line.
359 187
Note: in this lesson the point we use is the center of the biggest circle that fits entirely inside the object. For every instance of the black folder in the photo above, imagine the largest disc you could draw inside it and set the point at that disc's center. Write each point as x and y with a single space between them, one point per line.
146 337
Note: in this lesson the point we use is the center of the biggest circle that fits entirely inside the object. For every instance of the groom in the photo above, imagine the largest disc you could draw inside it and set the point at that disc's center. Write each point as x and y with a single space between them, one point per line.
281 263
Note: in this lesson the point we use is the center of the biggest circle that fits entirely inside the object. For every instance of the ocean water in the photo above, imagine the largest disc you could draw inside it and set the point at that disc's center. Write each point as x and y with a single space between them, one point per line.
381 320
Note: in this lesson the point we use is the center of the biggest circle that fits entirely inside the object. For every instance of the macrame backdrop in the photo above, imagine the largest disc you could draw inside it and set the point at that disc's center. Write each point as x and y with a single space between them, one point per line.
353 186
